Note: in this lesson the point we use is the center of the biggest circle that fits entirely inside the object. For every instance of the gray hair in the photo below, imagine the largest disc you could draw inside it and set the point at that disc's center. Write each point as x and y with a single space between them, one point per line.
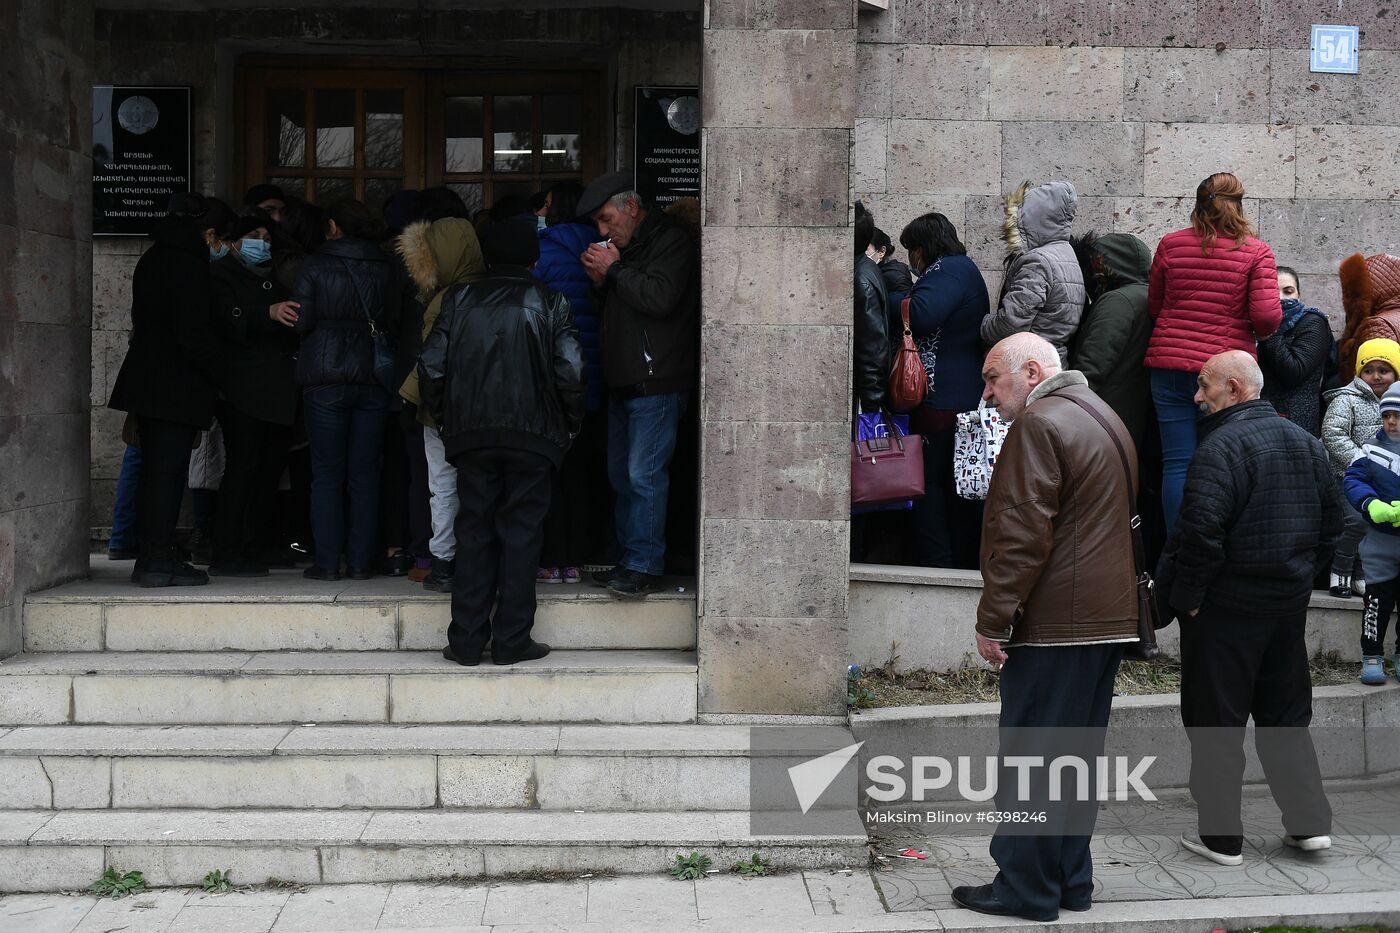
1020 349
619 201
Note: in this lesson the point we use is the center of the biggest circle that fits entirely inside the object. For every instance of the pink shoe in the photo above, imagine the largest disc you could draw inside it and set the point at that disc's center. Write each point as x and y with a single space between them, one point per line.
548 575
572 574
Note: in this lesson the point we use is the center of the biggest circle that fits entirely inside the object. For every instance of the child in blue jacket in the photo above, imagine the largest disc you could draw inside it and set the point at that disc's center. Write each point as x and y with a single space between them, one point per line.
1372 485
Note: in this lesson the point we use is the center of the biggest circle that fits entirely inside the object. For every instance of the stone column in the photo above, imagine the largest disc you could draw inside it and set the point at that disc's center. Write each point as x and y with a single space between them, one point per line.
45 299
779 105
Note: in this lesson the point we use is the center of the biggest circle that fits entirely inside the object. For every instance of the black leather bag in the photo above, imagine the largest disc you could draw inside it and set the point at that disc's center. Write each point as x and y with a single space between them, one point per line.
383 360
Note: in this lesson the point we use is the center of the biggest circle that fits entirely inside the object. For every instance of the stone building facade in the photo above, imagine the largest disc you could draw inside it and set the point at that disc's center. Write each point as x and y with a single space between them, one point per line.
807 106
1134 103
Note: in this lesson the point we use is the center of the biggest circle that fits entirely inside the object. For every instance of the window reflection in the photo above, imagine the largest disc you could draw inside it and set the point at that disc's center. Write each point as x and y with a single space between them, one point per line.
383 129
463 127
512 134
563 133
285 130
335 129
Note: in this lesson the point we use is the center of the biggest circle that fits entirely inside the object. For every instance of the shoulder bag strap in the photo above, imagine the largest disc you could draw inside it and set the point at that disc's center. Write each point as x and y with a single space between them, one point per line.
359 297
1139 551
908 336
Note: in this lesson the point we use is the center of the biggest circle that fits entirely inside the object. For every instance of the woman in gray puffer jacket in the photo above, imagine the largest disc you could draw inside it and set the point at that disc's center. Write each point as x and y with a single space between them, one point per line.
1044 289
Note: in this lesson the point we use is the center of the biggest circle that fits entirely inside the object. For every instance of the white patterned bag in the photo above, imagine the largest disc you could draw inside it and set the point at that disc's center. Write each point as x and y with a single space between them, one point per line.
976 447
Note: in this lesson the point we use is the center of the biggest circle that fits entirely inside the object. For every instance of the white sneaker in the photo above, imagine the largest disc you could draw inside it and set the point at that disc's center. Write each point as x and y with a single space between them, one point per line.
1194 844
1308 843
1358 586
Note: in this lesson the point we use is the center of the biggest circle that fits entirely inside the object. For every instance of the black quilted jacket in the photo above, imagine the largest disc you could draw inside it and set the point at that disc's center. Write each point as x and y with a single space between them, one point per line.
873 347
1260 513
342 285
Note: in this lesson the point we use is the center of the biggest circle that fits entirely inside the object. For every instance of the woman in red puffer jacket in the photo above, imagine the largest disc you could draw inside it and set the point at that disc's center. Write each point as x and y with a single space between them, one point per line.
1213 287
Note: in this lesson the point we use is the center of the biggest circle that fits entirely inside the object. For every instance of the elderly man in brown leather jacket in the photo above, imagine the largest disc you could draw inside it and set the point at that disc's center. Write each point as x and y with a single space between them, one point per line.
1058 605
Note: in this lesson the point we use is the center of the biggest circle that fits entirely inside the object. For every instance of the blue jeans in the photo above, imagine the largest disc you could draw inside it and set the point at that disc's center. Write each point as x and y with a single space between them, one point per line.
124 509
1173 392
345 427
641 440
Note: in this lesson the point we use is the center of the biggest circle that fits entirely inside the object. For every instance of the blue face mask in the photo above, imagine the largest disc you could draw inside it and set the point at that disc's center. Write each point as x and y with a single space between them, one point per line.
255 252
218 252
540 224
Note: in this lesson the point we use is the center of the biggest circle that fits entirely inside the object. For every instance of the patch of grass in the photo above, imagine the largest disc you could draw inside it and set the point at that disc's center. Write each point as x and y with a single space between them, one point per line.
219 882
979 684
118 884
754 867
691 867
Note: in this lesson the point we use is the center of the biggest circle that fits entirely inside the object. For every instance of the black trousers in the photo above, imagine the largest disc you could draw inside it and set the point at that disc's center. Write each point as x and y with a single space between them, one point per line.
504 497
579 527
165 465
1233 668
1062 687
255 453
1380 603
947 527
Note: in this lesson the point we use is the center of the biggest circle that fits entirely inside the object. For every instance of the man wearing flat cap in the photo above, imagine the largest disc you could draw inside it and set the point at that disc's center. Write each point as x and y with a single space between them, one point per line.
647 274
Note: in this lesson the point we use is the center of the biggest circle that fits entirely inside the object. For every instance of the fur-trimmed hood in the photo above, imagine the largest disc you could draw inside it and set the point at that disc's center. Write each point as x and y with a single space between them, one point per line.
1038 216
439 254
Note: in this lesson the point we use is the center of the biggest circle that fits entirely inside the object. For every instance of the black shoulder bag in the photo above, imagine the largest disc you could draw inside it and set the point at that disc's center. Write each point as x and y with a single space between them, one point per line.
381 351
1149 619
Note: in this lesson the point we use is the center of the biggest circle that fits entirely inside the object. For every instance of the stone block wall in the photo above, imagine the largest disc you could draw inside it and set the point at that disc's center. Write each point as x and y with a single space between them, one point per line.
1134 103
45 222
775 355
166 47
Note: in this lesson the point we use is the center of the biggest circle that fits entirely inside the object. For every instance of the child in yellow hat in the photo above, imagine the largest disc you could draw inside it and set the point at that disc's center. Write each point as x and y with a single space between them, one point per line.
1352 420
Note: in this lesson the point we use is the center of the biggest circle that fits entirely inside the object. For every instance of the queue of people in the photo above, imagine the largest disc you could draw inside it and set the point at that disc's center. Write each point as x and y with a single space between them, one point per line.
1140 326
329 372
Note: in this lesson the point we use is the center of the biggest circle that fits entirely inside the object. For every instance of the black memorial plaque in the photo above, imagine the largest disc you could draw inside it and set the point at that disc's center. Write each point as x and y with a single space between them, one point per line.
668 143
140 156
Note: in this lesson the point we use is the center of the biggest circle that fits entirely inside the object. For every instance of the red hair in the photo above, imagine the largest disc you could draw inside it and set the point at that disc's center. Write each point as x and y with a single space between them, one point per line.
1219 211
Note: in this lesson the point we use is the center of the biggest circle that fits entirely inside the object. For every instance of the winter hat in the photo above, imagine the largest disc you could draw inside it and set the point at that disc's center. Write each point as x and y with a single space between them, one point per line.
1386 351
1390 401
602 188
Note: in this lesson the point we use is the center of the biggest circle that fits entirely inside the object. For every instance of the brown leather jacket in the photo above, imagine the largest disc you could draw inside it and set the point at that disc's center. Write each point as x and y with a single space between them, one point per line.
1057 549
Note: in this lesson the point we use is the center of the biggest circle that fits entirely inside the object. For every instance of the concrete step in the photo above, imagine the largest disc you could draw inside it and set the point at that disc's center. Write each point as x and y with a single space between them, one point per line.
561 768
286 612
65 850
243 688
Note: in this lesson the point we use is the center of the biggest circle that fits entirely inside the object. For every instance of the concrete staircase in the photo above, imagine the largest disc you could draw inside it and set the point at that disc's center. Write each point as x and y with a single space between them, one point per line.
311 732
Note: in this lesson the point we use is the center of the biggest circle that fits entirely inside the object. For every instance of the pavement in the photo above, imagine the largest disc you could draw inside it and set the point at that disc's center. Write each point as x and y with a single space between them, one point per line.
1144 882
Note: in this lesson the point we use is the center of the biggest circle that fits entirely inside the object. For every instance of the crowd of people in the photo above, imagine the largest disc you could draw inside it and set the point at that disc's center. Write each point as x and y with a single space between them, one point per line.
477 403
1139 325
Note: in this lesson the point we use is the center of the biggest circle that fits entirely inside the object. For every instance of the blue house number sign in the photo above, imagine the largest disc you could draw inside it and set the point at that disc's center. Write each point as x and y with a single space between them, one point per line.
1334 49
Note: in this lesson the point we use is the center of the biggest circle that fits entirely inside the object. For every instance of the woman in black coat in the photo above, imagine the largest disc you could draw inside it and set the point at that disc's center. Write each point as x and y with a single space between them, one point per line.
345 294
170 379
1294 358
254 316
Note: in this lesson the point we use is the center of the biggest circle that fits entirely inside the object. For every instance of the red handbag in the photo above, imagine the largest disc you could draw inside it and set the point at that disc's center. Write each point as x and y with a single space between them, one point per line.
908 380
886 469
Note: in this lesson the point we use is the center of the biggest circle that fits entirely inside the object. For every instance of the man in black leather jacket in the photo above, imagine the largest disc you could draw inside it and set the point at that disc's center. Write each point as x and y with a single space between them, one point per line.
502 374
872 342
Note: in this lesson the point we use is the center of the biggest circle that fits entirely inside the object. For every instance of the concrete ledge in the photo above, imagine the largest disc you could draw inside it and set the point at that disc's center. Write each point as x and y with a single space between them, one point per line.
286 612
1354 729
931 612
176 847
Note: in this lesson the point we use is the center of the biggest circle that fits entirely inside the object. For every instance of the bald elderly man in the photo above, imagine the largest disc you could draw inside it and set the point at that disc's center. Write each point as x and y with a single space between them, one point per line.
1058 605
1257 519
